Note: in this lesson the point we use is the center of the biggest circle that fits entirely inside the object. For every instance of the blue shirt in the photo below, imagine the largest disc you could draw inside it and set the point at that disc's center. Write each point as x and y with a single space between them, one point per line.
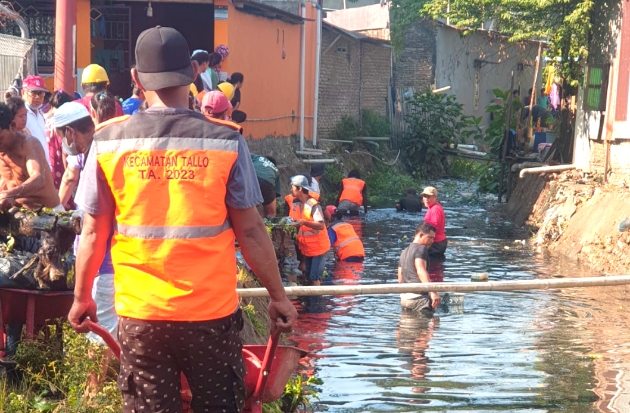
131 105
332 235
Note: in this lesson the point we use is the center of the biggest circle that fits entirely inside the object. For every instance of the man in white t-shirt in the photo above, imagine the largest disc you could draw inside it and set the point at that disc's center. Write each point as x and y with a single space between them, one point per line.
317 172
33 92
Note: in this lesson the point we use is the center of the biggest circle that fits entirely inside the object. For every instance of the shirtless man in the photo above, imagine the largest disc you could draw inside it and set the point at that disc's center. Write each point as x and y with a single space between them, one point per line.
25 178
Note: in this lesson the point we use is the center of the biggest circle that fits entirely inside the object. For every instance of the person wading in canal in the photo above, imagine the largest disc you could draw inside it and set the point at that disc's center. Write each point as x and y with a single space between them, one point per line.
413 268
312 237
435 217
345 241
178 189
352 195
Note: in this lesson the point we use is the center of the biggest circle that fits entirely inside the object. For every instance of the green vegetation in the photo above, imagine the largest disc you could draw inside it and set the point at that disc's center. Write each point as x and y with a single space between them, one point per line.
298 396
464 169
250 313
48 379
371 124
567 24
489 174
374 125
386 186
436 121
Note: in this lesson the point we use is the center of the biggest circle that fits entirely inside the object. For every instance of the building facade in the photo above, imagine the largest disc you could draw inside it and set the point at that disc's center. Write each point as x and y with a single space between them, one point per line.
602 135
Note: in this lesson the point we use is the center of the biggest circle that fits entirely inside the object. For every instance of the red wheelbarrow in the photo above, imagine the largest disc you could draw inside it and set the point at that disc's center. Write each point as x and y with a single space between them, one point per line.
268 370
35 308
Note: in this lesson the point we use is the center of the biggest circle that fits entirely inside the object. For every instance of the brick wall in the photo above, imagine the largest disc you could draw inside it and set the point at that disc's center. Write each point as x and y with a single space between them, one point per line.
339 81
354 75
415 66
375 77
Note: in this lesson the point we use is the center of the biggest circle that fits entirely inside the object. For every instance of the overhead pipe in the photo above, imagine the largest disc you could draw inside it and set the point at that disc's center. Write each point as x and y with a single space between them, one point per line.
302 72
518 166
326 160
393 288
65 21
318 51
543 169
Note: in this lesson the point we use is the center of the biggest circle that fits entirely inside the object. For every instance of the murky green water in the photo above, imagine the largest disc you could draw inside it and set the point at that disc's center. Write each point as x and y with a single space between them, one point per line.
539 351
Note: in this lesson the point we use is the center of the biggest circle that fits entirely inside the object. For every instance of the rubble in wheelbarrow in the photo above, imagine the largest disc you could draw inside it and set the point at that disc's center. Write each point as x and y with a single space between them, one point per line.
36 249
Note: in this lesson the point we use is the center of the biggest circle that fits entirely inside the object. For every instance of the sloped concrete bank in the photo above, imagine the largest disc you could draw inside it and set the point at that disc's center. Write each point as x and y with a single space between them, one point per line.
576 215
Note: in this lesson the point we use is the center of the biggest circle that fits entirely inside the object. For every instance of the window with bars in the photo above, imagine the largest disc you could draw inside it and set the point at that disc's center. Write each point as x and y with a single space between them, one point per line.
39 17
595 87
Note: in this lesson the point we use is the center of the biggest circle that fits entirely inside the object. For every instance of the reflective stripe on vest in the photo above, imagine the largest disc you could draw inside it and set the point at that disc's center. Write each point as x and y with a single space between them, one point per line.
352 190
312 242
348 244
173 232
173 249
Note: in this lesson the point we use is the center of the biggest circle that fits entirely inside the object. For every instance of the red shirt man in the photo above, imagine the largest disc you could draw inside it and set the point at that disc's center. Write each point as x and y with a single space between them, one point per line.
435 217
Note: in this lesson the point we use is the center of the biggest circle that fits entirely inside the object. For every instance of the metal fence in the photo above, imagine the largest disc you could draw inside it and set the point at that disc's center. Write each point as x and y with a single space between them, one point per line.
15 58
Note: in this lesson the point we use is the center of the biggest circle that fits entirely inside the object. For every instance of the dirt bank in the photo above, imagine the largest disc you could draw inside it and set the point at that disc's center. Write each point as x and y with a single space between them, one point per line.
576 215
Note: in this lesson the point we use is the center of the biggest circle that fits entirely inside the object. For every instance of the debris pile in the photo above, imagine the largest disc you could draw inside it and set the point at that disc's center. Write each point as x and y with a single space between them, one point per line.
577 215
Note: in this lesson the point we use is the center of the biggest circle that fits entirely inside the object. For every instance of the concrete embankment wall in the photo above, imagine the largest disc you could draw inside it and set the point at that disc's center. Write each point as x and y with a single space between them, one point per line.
577 217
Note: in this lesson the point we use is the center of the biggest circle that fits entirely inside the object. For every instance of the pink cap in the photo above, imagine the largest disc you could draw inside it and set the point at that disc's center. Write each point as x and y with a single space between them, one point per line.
331 209
35 83
215 102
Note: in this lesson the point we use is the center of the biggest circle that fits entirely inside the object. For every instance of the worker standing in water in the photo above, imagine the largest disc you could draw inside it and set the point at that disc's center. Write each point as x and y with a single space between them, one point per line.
312 236
435 216
345 241
352 195
413 268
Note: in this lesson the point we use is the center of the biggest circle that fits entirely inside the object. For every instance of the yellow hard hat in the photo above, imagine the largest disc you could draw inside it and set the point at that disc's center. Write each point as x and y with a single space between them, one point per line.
94 74
228 89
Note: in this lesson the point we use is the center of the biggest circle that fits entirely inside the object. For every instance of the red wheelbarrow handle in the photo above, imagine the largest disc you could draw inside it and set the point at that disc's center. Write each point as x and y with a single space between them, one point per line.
267 363
107 338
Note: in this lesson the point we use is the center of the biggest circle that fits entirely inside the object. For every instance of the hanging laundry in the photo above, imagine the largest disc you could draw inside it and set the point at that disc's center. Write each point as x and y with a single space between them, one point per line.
554 96
551 74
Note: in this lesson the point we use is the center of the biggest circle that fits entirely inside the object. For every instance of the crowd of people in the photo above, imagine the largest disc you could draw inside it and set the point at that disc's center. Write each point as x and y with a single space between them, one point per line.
166 191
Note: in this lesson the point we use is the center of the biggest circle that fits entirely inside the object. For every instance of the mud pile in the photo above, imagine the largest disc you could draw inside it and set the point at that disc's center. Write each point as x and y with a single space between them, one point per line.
576 215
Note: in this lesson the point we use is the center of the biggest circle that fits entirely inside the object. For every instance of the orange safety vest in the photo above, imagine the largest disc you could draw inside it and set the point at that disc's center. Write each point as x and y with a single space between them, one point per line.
173 247
352 190
348 243
312 242
295 210
111 121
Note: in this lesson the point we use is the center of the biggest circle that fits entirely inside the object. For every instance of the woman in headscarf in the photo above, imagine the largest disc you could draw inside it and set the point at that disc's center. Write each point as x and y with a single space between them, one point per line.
223 51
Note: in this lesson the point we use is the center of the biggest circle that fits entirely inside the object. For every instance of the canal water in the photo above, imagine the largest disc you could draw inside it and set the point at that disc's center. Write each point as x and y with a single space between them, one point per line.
538 351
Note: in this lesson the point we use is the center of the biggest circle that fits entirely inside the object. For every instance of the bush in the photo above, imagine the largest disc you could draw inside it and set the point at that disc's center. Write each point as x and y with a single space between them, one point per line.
52 380
465 169
386 186
346 129
372 125
436 121
489 175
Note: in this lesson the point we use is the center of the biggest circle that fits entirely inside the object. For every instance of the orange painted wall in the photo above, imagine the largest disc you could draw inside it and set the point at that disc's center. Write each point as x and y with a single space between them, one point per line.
271 91
221 35
84 50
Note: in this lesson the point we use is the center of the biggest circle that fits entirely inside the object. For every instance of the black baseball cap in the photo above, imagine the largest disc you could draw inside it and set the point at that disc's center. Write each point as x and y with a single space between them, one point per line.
163 59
